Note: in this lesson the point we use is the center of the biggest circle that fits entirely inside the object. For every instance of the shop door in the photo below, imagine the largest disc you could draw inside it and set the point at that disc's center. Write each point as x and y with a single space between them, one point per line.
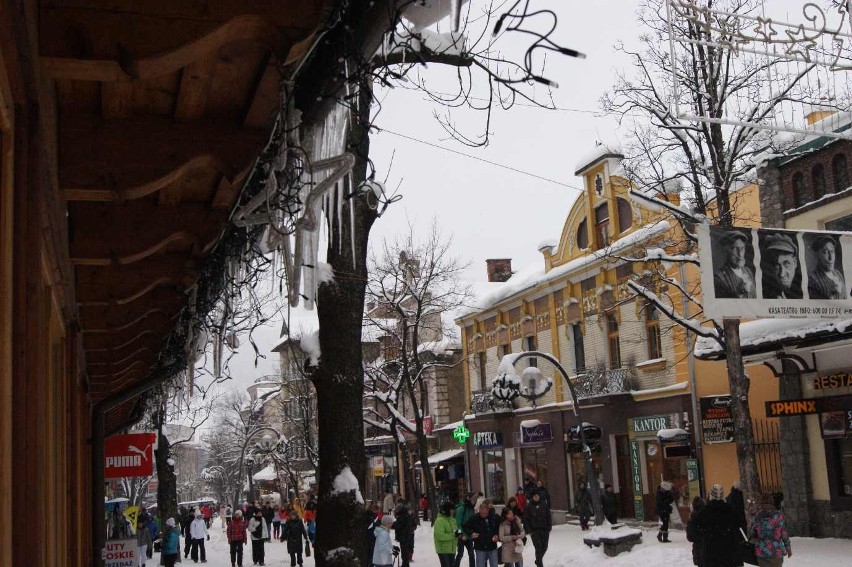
656 474
626 508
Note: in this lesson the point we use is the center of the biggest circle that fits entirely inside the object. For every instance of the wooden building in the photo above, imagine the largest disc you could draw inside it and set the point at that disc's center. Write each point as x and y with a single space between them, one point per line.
126 132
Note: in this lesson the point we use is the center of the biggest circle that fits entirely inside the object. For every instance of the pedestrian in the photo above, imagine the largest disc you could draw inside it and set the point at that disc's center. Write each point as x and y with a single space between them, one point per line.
388 502
538 524
444 535
153 530
143 536
276 522
259 534
171 543
229 514
585 508
282 516
198 533
512 504
268 515
372 519
477 502
237 536
512 536
222 511
293 531
542 491
484 528
207 514
464 512
383 551
521 499
663 501
715 528
691 533
609 504
311 517
737 501
424 507
403 529
769 534
186 521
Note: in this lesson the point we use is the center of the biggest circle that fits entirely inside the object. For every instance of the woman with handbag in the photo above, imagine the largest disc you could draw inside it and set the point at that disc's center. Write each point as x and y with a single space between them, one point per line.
769 534
511 534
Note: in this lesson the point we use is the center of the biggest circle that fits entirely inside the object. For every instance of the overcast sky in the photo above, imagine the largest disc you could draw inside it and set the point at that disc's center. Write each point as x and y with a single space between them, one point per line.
491 211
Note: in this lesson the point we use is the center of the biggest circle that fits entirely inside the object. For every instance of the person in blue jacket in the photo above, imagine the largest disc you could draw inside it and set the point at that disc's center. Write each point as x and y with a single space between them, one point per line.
171 543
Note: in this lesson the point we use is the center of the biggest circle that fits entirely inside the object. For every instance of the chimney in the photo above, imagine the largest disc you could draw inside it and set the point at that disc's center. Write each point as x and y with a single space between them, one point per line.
499 270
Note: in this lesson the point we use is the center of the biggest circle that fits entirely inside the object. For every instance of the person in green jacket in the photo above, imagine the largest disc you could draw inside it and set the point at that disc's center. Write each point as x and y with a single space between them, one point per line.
444 533
464 512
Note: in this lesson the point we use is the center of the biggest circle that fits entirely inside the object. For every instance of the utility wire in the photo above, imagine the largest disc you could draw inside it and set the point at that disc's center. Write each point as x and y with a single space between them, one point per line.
483 160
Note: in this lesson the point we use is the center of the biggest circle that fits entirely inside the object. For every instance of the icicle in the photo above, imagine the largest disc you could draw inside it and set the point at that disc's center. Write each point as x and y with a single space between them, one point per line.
352 225
338 194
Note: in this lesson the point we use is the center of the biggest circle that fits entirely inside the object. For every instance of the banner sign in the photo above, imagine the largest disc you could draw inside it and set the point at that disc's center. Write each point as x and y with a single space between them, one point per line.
120 553
540 433
636 479
649 425
717 422
378 465
129 455
488 440
786 408
831 381
750 272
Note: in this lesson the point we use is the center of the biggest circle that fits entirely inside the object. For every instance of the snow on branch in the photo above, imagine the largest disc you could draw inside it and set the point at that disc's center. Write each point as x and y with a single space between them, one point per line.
692 325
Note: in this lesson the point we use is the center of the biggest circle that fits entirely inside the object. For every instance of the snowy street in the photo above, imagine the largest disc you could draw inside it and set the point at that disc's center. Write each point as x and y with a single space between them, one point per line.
566 549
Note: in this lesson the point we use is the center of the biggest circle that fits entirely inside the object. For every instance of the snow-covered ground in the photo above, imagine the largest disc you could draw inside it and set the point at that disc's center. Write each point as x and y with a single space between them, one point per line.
566 549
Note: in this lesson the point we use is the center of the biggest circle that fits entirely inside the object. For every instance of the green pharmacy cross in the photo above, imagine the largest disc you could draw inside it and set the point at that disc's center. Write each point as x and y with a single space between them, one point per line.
461 433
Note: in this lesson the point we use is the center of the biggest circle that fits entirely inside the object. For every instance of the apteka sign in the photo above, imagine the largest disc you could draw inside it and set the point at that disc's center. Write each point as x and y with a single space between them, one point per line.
129 455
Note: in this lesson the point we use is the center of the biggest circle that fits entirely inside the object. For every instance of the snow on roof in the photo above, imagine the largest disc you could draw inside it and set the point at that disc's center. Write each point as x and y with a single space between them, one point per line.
263 392
764 335
450 426
266 474
445 345
534 274
442 456
547 243
596 154
663 390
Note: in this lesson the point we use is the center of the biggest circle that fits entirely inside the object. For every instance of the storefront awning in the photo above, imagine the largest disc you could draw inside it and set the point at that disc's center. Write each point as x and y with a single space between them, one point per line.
266 474
443 456
676 435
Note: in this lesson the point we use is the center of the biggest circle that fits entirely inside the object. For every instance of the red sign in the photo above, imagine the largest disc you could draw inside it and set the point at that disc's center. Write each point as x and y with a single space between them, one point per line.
428 424
129 455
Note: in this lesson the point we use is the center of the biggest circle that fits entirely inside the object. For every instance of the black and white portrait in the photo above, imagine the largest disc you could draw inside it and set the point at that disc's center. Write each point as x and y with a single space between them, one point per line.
824 259
779 262
733 264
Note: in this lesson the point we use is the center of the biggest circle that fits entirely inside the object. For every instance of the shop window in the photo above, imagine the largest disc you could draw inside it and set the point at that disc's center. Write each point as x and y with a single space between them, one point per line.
625 215
583 235
602 226
818 181
494 475
612 341
579 349
652 331
534 464
841 173
799 197
530 344
481 367
842 466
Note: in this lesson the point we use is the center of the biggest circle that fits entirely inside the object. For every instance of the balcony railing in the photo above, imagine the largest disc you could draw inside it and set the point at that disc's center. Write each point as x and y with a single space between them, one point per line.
591 382
481 401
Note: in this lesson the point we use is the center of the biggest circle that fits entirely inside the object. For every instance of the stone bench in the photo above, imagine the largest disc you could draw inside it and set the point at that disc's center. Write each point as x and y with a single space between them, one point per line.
621 539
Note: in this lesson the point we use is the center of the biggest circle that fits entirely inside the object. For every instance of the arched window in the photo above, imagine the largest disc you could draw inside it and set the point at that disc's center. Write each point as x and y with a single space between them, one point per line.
625 215
583 235
799 197
818 181
841 175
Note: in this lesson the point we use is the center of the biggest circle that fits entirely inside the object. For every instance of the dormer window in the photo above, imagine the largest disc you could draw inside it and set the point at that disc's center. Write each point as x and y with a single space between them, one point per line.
583 235
625 215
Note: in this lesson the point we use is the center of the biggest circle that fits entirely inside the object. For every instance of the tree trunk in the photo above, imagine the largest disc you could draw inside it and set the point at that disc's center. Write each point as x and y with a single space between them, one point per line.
339 376
167 481
743 434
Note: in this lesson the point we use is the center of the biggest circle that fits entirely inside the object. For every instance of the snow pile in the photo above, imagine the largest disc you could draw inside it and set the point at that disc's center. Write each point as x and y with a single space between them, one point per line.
605 532
338 552
345 482
310 345
595 154
671 433
764 332
325 274
547 243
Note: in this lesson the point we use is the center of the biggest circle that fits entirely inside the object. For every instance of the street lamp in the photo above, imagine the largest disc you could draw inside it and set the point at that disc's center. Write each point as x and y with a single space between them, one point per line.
244 459
532 393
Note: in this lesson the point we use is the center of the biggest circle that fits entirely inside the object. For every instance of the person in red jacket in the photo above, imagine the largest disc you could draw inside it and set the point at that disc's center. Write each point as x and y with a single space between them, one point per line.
521 498
237 536
207 514
311 517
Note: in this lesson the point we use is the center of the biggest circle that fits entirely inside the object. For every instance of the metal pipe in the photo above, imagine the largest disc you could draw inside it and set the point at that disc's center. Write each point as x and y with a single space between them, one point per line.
587 452
696 416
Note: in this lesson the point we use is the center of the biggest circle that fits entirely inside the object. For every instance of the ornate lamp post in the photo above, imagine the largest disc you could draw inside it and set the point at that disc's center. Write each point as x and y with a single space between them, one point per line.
534 386
246 459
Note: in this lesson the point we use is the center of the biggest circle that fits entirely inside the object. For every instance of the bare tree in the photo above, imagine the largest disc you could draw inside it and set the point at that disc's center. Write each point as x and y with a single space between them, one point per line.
703 162
412 285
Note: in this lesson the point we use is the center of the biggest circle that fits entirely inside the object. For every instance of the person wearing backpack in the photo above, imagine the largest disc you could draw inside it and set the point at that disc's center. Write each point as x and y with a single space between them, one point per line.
464 512
259 534
293 531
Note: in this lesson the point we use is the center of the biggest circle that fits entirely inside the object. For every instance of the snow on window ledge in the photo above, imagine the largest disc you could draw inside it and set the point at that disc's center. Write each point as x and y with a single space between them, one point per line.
653 364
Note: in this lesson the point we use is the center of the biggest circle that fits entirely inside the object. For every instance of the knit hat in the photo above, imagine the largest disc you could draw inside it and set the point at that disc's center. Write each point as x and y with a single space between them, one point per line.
170 522
238 513
717 492
387 520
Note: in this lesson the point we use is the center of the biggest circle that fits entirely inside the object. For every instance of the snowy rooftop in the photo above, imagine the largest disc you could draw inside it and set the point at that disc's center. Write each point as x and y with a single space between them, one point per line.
534 274
767 335
442 456
597 154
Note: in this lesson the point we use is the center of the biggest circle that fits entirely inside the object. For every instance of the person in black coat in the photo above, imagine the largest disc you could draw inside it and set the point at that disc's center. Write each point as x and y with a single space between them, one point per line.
403 528
268 514
609 504
585 508
372 521
484 529
663 506
716 529
538 523
737 501
691 533
294 532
